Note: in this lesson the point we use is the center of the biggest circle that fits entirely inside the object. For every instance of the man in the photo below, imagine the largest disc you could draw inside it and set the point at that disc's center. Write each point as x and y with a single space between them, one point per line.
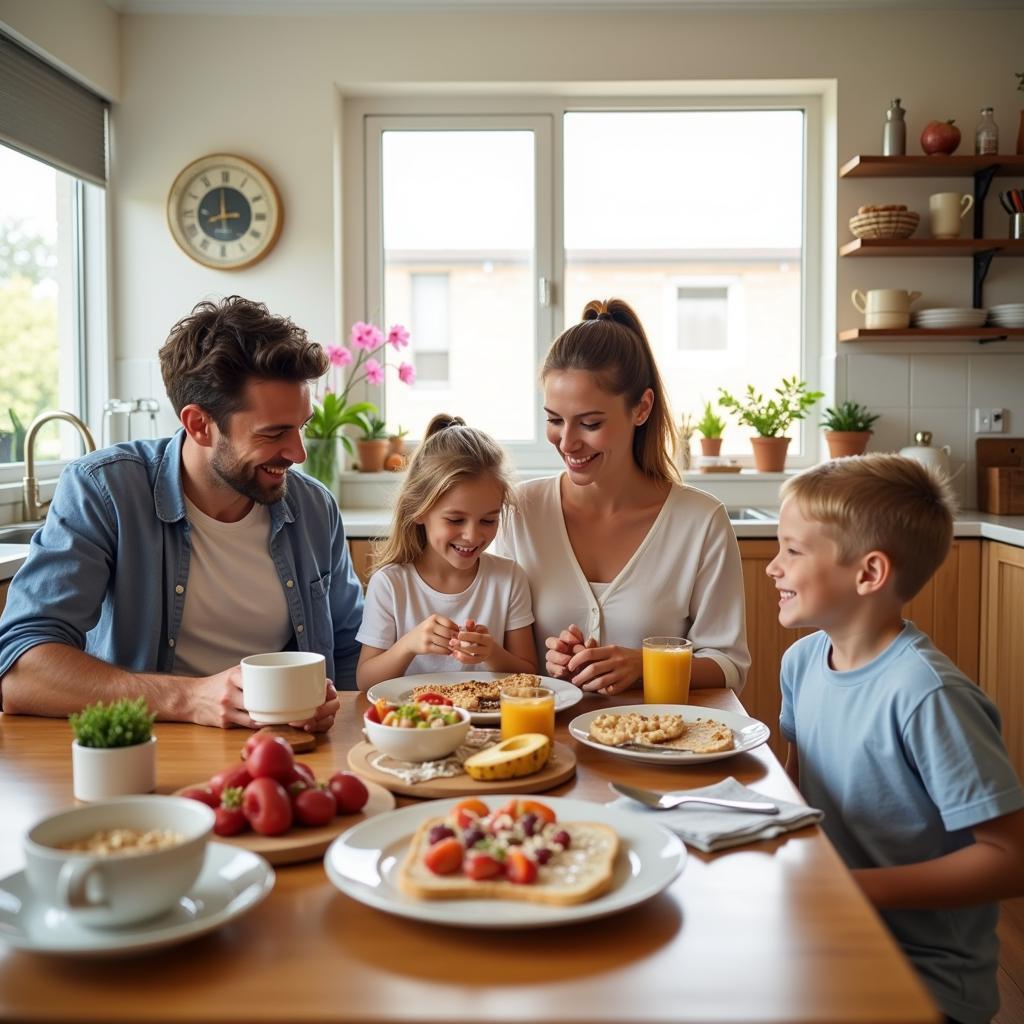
162 563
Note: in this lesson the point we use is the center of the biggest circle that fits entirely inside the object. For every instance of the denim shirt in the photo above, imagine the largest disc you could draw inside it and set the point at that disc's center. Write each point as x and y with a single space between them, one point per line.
108 571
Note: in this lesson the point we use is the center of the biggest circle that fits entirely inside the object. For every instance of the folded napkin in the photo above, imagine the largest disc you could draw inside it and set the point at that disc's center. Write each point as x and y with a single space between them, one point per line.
710 828
445 767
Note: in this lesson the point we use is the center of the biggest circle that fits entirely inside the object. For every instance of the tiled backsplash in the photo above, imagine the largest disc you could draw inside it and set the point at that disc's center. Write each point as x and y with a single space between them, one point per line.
938 393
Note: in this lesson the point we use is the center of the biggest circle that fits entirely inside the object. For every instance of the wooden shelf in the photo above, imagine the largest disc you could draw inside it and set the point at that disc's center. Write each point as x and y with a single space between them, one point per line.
932 247
1006 164
932 334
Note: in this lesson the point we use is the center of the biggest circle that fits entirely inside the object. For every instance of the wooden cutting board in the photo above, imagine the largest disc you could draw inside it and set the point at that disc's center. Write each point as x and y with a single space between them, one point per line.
561 766
301 843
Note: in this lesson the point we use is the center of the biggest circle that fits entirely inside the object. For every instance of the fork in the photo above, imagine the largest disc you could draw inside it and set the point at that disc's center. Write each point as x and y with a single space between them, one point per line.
666 801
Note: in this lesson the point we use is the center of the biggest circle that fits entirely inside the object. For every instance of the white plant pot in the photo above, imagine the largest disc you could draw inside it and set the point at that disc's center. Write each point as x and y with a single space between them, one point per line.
102 772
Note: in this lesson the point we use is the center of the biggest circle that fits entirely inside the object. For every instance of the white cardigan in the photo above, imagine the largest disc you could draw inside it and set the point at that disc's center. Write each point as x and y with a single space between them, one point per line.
684 579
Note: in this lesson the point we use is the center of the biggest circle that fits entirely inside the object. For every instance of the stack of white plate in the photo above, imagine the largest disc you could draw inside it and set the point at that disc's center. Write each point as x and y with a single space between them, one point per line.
1011 315
950 317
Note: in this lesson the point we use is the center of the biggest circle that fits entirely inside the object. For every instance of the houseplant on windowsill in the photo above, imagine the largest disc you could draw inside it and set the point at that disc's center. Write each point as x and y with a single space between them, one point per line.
114 750
847 429
332 412
711 427
770 417
373 445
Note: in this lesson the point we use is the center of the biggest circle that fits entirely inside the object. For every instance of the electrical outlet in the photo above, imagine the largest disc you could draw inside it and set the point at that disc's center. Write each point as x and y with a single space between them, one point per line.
989 421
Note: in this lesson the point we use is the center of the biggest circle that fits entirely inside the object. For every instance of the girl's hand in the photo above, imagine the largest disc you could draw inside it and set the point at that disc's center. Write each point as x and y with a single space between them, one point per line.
560 650
473 644
432 636
606 670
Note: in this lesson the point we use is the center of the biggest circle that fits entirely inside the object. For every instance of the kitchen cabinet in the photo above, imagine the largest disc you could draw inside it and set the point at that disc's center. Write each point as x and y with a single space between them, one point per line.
361 552
947 609
981 250
1002 640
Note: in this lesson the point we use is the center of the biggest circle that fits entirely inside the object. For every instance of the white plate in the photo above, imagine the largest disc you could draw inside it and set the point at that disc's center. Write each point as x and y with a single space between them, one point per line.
363 863
748 732
566 695
232 882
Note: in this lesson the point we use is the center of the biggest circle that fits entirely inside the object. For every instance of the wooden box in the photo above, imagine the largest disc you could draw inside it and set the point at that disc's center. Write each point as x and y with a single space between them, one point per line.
1001 475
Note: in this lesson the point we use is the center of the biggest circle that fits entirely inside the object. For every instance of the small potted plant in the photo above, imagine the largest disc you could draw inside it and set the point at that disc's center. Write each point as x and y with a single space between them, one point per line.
114 749
373 445
770 417
711 427
396 441
847 429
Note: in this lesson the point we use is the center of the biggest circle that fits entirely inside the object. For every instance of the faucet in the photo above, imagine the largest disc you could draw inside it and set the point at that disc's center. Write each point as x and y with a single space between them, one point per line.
32 507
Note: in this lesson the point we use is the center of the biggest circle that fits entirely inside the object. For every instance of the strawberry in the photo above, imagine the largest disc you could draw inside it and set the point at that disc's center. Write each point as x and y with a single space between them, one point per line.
480 864
445 857
519 868
543 812
229 818
468 812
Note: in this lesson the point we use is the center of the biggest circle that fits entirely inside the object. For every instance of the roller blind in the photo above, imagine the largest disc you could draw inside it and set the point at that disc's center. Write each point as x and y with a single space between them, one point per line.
48 115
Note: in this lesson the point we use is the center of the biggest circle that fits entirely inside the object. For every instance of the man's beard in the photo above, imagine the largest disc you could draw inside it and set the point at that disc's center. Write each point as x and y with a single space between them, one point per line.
243 478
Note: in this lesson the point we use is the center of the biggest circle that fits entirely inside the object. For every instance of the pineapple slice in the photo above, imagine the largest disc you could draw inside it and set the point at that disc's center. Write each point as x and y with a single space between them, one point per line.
510 759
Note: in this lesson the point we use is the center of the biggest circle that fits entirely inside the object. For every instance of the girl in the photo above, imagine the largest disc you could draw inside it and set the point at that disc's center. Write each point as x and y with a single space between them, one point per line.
616 548
435 598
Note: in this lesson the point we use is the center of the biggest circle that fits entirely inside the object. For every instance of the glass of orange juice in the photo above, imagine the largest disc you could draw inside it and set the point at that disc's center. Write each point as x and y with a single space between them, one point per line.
527 709
667 669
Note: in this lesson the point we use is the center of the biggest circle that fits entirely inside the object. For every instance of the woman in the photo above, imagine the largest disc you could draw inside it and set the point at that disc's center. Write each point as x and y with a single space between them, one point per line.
616 548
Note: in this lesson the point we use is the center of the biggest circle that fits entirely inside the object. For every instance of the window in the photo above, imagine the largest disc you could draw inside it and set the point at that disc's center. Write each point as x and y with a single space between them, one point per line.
699 218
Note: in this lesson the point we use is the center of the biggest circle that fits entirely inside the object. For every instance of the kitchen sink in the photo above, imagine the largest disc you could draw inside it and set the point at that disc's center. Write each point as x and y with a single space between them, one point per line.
18 533
752 515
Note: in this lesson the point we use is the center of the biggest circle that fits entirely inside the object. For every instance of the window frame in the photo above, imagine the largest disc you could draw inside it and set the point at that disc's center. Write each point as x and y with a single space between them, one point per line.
359 169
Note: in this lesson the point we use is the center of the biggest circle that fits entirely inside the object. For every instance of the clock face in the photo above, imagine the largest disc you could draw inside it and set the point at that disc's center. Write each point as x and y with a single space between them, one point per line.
224 212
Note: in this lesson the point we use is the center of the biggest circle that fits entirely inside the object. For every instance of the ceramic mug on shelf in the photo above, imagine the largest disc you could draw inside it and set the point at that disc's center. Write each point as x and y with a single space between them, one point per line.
884 308
945 211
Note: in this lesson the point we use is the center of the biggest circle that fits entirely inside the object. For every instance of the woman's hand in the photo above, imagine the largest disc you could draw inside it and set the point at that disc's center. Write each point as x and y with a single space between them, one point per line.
605 670
432 636
560 650
473 644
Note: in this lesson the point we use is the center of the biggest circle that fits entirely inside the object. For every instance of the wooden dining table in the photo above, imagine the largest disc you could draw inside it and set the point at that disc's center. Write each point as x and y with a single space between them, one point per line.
771 931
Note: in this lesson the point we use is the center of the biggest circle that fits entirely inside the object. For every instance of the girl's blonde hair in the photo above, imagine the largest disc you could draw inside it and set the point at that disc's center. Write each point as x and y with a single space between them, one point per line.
611 343
449 453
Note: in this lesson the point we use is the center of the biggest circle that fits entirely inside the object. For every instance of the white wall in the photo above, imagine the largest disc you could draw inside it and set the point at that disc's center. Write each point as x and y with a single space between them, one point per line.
268 88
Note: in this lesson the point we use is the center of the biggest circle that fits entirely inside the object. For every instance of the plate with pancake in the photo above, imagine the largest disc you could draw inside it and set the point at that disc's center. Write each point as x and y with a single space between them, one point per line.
660 733
477 692
367 861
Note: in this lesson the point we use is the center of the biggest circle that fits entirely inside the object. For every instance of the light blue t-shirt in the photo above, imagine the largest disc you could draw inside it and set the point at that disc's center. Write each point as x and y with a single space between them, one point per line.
904 756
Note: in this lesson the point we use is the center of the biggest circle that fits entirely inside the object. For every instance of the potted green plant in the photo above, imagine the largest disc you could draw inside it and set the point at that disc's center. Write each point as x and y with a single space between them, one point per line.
847 429
770 417
396 441
372 445
711 427
114 749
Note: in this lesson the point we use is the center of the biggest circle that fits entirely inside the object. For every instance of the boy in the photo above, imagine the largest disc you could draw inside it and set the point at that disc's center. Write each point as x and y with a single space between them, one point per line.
886 735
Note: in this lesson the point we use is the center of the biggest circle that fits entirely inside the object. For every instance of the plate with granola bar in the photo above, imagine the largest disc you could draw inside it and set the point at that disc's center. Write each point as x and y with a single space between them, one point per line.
668 733
478 692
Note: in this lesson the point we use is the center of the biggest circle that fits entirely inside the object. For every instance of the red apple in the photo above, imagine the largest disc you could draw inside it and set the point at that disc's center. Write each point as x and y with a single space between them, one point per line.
940 137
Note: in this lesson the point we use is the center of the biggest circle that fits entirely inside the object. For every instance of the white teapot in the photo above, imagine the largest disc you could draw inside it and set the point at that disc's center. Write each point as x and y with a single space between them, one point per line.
924 452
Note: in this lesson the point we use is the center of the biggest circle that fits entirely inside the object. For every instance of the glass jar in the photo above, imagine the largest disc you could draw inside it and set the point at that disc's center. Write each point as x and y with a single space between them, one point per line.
986 136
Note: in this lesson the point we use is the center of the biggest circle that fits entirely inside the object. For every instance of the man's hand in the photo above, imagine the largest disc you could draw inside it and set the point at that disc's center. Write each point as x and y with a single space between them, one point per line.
472 645
324 717
217 700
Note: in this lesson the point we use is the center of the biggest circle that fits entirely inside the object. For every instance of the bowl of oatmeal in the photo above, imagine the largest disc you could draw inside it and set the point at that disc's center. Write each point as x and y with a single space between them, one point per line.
117 862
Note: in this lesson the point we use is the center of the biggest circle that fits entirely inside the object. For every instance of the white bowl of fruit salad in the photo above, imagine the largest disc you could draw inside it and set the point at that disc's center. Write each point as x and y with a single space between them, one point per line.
417 730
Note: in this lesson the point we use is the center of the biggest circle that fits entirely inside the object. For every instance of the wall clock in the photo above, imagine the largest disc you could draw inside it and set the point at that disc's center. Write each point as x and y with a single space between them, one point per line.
224 211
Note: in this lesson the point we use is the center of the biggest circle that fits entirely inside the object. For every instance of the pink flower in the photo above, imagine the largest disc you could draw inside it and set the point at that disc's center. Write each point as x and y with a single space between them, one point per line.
339 355
407 373
398 337
366 336
374 372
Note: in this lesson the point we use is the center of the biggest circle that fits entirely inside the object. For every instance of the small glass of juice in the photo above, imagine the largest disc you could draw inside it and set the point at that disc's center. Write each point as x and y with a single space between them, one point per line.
527 709
667 669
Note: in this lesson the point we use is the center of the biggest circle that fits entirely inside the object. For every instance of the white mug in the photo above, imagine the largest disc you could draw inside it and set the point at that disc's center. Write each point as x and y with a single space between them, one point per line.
111 891
287 686
945 211
884 308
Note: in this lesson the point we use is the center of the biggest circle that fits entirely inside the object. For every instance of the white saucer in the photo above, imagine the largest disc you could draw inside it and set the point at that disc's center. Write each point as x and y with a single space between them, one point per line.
232 881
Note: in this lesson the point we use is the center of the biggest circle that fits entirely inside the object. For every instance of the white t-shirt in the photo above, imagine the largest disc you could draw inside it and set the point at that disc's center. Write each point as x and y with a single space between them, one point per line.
397 600
234 603
685 578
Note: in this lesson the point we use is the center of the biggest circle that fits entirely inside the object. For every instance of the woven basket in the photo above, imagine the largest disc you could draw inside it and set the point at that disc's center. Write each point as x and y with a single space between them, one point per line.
885 224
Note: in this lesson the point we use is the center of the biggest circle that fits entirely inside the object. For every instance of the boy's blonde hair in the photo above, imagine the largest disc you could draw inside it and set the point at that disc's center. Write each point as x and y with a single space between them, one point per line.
884 503
449 453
